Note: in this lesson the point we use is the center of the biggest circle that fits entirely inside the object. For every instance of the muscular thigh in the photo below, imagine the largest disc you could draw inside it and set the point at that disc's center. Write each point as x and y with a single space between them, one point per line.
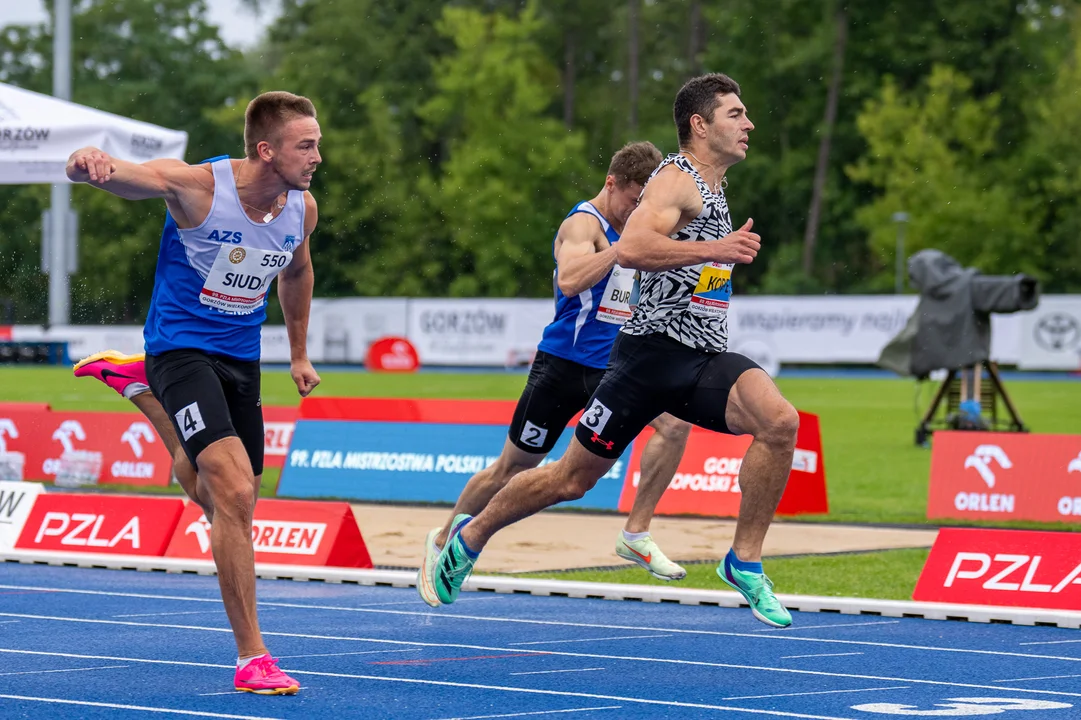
706 404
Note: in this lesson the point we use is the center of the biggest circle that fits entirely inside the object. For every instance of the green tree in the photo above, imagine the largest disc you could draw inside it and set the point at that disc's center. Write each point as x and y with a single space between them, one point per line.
511 169
932 155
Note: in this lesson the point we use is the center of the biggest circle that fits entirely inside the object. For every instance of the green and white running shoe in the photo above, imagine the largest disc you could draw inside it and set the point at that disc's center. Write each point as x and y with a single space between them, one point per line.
757 589
426 572
454 564
646 553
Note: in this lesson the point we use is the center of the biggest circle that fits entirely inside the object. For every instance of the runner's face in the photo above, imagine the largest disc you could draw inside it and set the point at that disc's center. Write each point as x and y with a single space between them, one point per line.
728 133
297 154
623 200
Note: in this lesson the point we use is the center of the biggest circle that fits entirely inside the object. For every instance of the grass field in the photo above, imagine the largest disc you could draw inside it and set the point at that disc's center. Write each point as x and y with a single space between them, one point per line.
874 472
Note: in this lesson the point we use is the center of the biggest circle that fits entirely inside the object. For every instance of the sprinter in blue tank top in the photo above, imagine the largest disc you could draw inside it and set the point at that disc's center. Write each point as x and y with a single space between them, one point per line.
592 301
233 225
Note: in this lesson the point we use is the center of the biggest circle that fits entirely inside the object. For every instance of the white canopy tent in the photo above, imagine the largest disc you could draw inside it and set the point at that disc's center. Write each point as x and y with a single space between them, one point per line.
37 135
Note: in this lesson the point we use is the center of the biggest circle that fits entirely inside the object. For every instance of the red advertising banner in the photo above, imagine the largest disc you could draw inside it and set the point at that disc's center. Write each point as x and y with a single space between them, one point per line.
1000 476
116 524
706 481
1017 568
278 426
287 532
119 447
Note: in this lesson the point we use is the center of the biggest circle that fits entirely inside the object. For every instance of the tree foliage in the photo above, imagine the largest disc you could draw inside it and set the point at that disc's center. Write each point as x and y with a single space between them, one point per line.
457 133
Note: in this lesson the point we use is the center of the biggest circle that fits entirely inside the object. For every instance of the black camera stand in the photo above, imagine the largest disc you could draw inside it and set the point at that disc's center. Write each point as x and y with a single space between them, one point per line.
966 384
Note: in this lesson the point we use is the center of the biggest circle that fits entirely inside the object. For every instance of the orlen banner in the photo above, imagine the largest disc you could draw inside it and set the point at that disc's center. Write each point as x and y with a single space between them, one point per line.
122 446
284 532
707 479
1018 568
100 524
1005 476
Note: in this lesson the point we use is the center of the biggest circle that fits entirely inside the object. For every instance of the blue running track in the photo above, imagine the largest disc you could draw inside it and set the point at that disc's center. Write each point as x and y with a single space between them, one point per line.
121 644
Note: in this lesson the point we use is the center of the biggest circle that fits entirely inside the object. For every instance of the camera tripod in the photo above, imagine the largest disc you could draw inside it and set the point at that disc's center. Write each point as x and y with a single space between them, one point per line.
971 404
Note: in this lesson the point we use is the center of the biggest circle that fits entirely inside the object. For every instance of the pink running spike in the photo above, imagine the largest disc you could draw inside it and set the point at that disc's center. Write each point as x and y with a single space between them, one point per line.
114 369
263 677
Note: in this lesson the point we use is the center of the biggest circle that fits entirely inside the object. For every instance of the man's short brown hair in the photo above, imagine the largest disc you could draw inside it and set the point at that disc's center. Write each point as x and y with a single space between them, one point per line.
634 162
267 113
699 97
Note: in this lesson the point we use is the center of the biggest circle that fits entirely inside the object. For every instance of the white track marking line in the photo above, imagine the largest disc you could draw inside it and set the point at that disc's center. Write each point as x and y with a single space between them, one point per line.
8 622
169 614
794 628
552 623
42 672
115 706
444 683
576 640
549 672
536 712
793 657
358 652
1052 642
555 653
1045 677
818 692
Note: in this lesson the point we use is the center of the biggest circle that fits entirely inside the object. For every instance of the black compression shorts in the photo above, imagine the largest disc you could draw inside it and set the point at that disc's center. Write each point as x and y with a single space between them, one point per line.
555 391
209 397
653 374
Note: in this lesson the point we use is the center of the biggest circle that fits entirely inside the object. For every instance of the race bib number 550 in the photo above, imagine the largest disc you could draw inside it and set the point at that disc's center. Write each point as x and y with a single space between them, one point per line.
240 277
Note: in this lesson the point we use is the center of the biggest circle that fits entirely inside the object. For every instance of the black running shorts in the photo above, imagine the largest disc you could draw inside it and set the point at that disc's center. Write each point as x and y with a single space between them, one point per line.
209 397
555 391
653 374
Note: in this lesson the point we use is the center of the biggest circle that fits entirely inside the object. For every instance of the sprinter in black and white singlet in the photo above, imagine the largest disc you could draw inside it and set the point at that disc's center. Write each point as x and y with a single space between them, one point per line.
672 355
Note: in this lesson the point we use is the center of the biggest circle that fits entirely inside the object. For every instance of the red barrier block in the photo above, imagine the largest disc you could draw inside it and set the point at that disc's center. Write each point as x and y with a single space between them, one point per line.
117 524
278 426
706 481
465 412
286 532
1016 568
1005 476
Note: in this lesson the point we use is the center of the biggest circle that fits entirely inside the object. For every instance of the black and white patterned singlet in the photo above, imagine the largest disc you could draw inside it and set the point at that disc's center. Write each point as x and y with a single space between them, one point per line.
689 304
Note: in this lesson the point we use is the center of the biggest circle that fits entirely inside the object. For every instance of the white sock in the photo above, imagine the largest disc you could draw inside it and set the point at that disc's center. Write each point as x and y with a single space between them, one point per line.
635 537
135 388
242 663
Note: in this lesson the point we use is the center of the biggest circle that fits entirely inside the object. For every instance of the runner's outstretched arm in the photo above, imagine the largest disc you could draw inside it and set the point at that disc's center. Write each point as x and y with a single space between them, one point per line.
134 181
295 286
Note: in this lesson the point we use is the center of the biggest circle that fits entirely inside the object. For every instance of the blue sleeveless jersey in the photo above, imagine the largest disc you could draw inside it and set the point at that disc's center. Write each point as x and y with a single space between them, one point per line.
586 324
192 306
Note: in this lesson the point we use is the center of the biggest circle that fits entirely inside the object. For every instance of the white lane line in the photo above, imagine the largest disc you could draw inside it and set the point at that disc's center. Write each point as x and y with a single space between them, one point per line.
7 622
42 672
861 643
169 614
794 628
535 712
343 654
817 692
618 637
1052 642
793 657
142 708
549 672
1045 677
444 683
557 623
562 653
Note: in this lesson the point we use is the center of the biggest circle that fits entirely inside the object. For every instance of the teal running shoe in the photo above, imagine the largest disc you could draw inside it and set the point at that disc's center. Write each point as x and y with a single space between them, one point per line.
454 564
757 589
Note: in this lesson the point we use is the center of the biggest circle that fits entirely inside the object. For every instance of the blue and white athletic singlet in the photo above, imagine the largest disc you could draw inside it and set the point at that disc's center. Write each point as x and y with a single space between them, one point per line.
212 281
586 324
